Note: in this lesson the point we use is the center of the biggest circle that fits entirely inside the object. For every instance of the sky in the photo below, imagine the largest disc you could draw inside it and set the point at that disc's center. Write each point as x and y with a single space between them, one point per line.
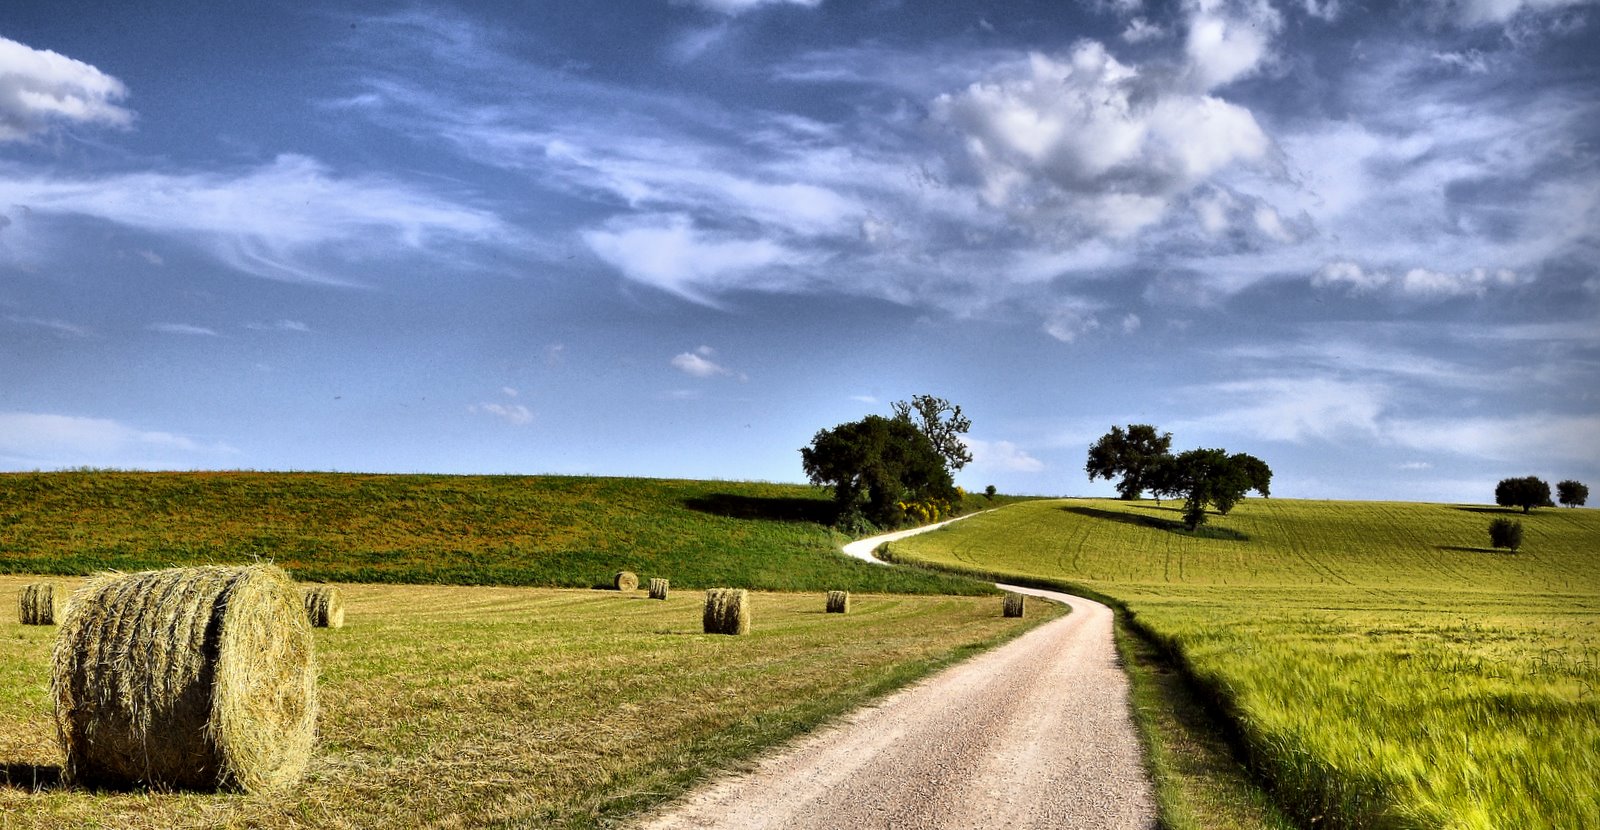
676 238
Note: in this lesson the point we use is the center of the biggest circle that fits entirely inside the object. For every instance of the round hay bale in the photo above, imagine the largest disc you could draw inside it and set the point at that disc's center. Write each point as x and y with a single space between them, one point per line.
186 678
626 581
727 611
658 588
324 607
39 603
838 602
1012 606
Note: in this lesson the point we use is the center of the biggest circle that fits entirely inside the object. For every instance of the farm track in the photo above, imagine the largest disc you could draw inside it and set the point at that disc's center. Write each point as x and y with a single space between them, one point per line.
1034 734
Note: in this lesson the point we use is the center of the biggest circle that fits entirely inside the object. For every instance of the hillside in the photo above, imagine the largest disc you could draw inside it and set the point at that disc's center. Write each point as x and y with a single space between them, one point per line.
1379 664
472 530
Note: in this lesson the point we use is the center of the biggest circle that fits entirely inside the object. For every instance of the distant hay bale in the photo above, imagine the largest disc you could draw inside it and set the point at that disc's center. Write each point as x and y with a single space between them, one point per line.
625 581
39 603
727 611
658 588
838 602
186 678
324 607
1012 607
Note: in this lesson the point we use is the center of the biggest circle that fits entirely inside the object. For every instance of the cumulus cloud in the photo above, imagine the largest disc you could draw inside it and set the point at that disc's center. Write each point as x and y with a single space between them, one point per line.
1416 283
1093 135
1140 30
1001 456
1069 322
40 88
269 221
670 253
698 363
1229 40
31 439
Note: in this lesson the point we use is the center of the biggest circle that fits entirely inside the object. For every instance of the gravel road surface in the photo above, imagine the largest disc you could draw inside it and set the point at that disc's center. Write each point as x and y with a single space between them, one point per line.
1034 734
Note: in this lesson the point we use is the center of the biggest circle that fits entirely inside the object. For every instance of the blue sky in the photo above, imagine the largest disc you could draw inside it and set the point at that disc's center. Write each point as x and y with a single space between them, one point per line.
677 237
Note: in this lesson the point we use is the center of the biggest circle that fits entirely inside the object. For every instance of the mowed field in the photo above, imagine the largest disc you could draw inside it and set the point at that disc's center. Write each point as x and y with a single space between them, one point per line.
464 707
1381 665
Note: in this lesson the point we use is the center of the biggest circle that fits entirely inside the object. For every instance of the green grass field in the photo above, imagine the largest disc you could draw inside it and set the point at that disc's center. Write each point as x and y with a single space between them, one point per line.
461 530
1382 667
457 707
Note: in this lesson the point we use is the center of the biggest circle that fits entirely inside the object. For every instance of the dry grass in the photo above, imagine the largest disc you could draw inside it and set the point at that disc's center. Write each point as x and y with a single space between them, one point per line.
658 588
1013 605
727 611
496 707
189 678
40 603
625 581
838 602
324 607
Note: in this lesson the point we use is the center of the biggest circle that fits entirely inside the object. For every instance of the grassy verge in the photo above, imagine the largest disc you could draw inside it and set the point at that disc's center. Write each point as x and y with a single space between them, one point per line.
520 707
1377 666
557 531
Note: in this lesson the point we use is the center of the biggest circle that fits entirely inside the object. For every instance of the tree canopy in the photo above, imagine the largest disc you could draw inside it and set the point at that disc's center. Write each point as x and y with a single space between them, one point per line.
942 422
1527 493
1213 477
1572 493
1137 455
874 464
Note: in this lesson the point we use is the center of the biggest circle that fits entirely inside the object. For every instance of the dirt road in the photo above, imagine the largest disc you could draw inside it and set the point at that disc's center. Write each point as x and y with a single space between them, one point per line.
1034 734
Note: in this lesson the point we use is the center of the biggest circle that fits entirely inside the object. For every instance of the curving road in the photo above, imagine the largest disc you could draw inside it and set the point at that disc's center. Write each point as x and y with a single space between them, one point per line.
1034 734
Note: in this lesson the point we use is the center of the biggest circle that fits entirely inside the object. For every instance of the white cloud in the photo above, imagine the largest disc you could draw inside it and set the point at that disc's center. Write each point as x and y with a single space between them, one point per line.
1229 40
1472 60
867 399
1068 323
514 414
40 88
1131 323
1001 456
183 329
1140 30
1327 10
60 327
699 363
509 391
269 221
279 325
1297 409
1481 12
669 252
30 439
1416 283
1412 466
1526 439
735 7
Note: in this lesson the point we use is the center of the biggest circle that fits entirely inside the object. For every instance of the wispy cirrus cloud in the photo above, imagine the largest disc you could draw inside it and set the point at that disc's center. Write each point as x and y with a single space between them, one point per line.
31 440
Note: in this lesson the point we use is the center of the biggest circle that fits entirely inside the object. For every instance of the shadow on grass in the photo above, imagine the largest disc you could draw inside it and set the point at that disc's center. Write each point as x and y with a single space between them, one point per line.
30 777
1494 551
814 511
1498 511
1158 523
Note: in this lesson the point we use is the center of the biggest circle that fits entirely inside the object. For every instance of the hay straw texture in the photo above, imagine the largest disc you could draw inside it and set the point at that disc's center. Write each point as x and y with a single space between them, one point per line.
40 603
838 602
626 581
658 588
324 607
1012 606
727 611
186 678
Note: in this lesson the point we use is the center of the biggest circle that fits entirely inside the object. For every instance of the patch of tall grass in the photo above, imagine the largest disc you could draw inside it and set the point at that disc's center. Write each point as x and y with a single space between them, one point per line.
1378 665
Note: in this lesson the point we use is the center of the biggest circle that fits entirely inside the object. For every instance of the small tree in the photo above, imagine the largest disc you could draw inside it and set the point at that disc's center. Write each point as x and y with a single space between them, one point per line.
988 492
942 422
1135 455
873 465
1526 493
1505 533
1572 493
1210 476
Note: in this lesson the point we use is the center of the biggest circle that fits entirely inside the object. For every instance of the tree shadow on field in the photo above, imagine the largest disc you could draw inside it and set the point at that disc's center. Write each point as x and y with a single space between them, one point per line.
1158 523
782 509
30 777
1506 511
1491 551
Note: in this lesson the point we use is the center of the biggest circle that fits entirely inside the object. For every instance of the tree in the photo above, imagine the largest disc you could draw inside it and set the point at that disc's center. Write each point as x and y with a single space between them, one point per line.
988 492
942 422
1135 455
1213 477
874 463
1526 493
1505 533
1572 493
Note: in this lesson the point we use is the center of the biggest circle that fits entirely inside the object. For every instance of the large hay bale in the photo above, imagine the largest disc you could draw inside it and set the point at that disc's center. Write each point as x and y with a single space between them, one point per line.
1012 606
727 611
625 581
40 603
838 602
324 607
658 588
186 678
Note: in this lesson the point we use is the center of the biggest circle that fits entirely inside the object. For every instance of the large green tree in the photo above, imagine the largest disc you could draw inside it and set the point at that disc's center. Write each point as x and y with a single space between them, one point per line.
1572 493
1213 477
942 422
1527 492
874 463
1137 455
